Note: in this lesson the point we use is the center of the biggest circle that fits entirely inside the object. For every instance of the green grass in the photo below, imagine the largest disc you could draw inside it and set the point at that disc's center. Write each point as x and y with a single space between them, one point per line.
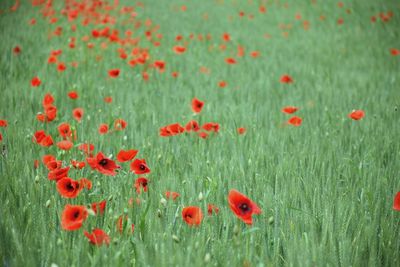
326 188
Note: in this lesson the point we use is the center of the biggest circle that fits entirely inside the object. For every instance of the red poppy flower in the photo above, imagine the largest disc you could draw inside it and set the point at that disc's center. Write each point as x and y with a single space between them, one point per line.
242 206
73 95
103 128
197 105
120 124
241 130
98 237
99 207
286 79
222 84
108 99
113 73
211 126
46 141
160 65
172 129
173 195
51 113
58 174
203 135
48 158
48 100
85 183
61 66
139 166
290 109
65 130
102 164
35 162
3 123
1 137
396 202
295 121
356 115
226 37
192 126
54 165
73 217
86 148
68 188
17 50
211 208
179 49
141 182
38 136
77 114
65 145
78 164
192 215
395 52
35 82
230 60
126 155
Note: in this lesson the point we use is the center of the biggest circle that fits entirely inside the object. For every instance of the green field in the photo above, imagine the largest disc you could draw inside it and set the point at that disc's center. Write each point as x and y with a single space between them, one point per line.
325 188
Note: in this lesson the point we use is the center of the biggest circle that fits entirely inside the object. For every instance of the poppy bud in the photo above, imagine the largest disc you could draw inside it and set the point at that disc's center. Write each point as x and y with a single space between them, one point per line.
163 202
271 220
159 213
175 238
37 179
207 258
48 202
236 230
201 197
91 212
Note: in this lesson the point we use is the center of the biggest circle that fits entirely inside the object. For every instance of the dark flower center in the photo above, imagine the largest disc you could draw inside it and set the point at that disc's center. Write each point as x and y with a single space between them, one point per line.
103 162
76 214
142 167
70 187
244 207
188 216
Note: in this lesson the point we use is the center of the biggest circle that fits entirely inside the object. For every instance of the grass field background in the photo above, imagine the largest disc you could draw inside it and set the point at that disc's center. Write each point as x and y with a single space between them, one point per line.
325 188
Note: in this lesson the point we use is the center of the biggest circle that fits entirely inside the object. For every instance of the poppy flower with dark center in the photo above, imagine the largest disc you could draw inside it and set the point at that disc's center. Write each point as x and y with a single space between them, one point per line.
99 207
120 124
65 130
197 105
73 216
230 60
51 112
242 206
3 123
98 237
77 113
289 109
103 164
141 182
286 79
396 202
192 126
139 166
126 155
58 174
68 188
356 115
192 215
395 52
295 121
113 73
17 50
